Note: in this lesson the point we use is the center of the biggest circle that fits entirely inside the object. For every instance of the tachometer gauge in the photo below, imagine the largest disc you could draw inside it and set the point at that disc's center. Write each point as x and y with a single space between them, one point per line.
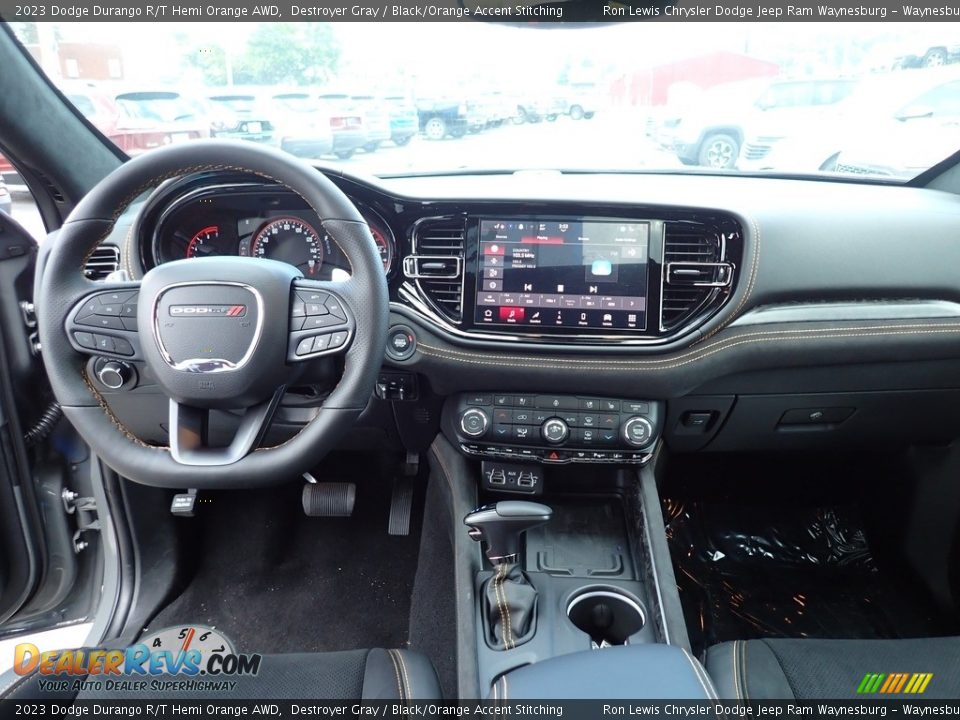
382 237
290 240
384 246
204 243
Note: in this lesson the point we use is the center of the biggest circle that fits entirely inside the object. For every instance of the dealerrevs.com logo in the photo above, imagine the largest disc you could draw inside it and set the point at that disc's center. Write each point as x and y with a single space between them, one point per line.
190 657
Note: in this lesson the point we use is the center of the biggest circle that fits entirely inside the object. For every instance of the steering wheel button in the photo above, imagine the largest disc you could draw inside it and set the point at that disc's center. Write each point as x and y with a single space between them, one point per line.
104 342
298 308
305 346
296 323
338 339
90 307
107 322
128 310
122 346
334 308
129 323
316 322
116 298
316 309
320 343
113 309
312 297
85 340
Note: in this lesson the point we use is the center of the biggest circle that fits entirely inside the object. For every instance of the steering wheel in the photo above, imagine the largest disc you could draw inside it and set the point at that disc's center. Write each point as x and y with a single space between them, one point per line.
218 333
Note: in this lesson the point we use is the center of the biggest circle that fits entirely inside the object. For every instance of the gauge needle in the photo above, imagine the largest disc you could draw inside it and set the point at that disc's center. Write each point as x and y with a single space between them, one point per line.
187 640
311 264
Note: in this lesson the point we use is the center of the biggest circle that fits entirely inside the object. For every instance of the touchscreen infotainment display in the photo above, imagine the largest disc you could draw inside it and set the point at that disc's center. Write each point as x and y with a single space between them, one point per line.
547 274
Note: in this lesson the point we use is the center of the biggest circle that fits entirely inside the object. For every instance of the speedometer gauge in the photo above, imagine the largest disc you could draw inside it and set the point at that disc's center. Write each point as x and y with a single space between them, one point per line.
290 240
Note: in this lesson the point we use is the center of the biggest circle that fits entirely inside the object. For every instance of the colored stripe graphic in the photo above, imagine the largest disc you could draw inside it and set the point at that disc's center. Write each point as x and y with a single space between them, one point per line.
890 683
894 683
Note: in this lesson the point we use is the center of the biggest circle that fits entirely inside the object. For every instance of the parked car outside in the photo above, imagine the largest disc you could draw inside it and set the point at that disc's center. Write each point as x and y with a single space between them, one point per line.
240 117
931 56
498 108
159 117
302 127
403 119
921 127
787 109
443 115
347 123
376 119
707 130
536 109
580 101
906 116
104 113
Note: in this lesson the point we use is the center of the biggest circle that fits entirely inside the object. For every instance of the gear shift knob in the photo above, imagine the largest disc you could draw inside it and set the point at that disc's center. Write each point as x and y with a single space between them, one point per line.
502 525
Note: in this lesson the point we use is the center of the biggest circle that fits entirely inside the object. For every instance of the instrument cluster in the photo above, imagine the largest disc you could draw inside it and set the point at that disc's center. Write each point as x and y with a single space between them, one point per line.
257 222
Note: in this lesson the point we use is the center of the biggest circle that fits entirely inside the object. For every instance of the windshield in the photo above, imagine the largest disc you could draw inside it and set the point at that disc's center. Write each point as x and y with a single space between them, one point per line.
861 100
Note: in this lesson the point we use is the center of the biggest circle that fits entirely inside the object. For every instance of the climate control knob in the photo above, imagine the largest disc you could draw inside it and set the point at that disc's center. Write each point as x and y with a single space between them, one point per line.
637 431
554 431
474 423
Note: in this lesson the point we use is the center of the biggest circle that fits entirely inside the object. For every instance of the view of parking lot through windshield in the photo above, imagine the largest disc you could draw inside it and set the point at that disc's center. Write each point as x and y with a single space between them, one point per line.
873 100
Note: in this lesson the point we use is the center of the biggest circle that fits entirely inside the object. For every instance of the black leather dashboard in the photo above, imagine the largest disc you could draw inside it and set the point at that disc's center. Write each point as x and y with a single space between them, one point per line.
860 276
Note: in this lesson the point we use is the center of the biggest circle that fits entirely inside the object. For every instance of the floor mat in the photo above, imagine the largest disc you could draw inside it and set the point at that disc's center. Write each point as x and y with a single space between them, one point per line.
747 571
276 581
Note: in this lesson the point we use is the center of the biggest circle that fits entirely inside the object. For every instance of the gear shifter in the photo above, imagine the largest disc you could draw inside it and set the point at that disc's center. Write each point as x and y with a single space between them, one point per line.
509 599
502 525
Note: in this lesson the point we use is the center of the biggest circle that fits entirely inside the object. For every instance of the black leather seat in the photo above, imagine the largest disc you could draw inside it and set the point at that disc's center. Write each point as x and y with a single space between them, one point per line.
349 675
771 669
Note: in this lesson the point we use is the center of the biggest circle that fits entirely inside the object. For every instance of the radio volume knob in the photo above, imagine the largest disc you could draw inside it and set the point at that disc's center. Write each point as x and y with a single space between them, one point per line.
555 431
637 431
474 423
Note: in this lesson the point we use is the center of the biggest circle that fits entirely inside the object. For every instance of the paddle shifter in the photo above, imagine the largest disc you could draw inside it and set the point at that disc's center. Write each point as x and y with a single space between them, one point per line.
509 599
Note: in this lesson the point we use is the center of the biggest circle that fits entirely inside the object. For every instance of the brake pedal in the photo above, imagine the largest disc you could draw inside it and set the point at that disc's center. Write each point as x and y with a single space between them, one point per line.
329 499
401 505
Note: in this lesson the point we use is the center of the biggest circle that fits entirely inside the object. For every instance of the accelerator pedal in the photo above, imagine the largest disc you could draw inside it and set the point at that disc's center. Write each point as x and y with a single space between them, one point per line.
401 505
329 499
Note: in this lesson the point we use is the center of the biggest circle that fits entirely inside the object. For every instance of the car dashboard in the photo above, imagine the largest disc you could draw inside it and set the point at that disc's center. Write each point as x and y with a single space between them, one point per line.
725 313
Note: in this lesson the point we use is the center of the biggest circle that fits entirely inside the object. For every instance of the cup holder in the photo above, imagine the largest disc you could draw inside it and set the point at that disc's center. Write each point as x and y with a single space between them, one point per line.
608 616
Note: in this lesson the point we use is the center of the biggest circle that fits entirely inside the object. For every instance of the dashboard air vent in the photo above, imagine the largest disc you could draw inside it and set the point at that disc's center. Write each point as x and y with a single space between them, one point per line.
437 264
105 260
694 270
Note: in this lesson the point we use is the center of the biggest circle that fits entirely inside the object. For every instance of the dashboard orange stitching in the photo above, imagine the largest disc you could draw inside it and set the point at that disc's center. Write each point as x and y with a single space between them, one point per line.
687 358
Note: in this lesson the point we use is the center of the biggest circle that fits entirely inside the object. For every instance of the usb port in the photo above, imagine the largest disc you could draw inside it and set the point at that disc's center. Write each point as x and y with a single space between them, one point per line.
526 480
497 477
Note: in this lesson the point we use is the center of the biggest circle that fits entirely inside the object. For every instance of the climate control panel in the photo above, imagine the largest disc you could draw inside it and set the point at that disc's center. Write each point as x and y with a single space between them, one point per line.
555 428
